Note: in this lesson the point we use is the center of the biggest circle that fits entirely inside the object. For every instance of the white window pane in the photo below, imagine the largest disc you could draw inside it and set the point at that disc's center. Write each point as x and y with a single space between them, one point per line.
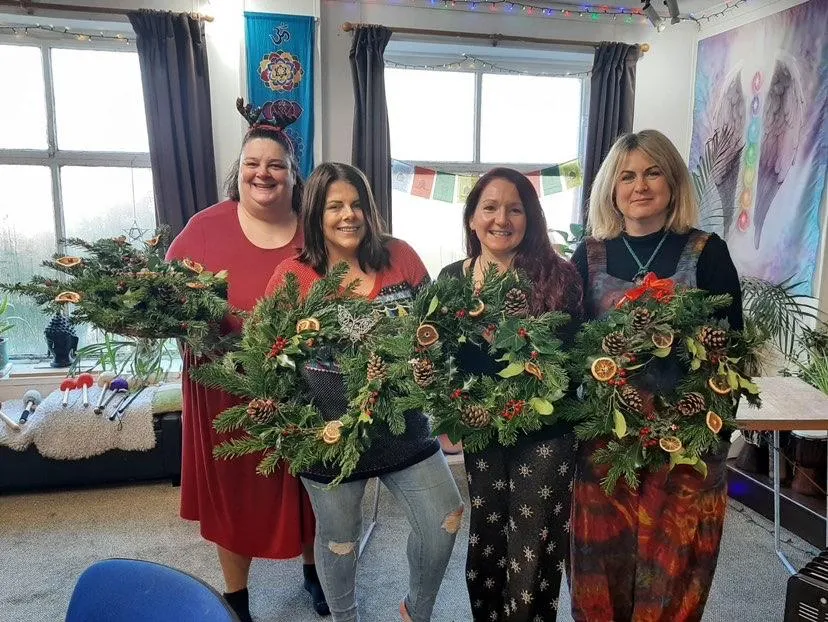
27 237
433 228
99 102
107 202
22 98
431 114
560 209
529 119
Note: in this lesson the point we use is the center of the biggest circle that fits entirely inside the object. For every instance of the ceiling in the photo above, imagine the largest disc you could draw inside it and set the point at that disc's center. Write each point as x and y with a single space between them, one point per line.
685 6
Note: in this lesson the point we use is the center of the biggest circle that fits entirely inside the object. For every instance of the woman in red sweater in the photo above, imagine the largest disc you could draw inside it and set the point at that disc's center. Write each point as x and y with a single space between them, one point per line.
341 223
245 514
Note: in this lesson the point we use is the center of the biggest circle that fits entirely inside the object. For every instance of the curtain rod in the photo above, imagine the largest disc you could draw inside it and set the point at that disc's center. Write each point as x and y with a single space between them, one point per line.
30 7
493 38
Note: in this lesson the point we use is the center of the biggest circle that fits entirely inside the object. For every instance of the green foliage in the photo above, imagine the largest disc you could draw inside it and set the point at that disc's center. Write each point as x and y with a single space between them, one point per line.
284 333
520 399
637 427
132 292
569 239
5 324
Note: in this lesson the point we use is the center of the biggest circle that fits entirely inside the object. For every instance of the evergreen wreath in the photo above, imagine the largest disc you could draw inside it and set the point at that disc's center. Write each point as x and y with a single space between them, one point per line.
479 410
646 431
279 419
134 292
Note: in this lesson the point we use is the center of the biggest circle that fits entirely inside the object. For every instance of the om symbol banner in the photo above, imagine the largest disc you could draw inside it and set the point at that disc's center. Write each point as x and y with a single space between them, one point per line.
280 68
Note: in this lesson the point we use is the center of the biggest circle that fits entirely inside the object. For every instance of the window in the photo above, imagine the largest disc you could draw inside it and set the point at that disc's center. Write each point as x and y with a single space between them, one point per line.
452 112
74 161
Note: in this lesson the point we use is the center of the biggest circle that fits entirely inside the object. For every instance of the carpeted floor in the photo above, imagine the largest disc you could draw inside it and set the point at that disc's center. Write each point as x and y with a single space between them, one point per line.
48 539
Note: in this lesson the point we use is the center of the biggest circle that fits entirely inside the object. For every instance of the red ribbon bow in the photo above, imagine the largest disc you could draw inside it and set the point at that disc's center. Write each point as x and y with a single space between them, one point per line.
661 290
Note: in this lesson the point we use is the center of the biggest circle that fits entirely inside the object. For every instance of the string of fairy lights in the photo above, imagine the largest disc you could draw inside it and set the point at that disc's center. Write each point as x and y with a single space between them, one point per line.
35 30
593 12
583 11
473 63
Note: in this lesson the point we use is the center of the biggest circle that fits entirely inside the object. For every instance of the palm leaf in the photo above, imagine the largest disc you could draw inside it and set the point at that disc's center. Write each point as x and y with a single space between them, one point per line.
778 310
718 153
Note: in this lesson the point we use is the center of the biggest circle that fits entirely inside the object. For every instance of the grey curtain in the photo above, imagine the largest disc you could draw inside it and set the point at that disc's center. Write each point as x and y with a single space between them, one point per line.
611 104
173 57
371 147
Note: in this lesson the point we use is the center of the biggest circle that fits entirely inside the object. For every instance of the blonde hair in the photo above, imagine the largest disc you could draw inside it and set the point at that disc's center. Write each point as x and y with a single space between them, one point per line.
605 221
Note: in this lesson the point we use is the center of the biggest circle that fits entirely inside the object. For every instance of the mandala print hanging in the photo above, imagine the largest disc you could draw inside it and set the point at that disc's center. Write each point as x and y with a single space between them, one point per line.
281 71
661 379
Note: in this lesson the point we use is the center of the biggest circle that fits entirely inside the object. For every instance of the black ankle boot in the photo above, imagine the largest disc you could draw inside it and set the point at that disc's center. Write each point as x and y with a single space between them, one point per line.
314 588
239 602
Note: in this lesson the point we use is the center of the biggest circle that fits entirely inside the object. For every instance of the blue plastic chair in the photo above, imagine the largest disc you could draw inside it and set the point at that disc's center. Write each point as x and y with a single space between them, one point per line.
133 590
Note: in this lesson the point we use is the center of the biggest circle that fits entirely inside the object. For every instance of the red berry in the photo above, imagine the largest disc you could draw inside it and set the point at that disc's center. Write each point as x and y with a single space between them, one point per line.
491 327
535 354
522 332
461 313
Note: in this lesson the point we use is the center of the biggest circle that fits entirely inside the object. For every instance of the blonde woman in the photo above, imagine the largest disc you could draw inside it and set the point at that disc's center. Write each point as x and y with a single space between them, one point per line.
647 554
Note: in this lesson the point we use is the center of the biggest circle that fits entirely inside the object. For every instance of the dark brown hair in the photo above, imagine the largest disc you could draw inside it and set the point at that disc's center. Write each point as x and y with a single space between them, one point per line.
556 283
372 252
231 183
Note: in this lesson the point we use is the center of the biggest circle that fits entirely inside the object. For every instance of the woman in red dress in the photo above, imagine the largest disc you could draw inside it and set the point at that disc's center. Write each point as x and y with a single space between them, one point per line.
245 514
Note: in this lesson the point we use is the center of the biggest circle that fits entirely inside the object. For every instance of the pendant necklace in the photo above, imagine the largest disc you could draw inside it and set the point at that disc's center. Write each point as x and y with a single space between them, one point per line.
643 268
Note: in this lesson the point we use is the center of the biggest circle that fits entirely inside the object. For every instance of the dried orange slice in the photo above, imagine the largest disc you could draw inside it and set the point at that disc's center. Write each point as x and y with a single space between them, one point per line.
120 240
153 242
307 324
68 262
195 285
427 335
533 370
72 297
719 384
332 432
478 308
662 340
603 368
670 444
193 265
714 422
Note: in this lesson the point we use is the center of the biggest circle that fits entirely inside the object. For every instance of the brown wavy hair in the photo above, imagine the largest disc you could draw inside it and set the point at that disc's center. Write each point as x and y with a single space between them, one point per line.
556 283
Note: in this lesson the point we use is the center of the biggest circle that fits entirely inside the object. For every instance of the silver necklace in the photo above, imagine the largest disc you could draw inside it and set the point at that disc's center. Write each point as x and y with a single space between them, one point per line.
644 268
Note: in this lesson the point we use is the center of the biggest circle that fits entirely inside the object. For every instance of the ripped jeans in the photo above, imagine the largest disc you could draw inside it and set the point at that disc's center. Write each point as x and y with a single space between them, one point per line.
428 494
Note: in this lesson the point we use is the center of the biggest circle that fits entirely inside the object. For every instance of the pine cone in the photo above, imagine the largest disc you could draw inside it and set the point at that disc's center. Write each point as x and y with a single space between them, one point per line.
690 404
516 304
475 416
712 338
631 397
423 372
615 343
377 368
261 411
641 317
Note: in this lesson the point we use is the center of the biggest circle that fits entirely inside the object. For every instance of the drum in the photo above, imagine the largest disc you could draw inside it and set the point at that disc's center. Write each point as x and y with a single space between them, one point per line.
809 449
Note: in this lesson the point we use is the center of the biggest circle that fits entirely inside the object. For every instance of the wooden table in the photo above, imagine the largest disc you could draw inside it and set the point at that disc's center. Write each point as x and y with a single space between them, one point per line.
788 403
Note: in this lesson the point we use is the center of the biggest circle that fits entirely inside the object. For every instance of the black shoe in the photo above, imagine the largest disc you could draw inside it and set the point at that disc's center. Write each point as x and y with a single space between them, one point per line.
239 602
314 588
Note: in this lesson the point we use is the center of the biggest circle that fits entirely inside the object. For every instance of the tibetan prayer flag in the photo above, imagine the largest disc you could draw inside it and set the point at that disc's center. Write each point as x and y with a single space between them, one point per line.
444 187
402 176
551 180
535 178
423 182
571 172
464 186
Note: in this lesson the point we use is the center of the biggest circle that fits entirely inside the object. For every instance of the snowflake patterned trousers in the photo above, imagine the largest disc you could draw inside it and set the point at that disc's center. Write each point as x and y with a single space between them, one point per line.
646 555
518 528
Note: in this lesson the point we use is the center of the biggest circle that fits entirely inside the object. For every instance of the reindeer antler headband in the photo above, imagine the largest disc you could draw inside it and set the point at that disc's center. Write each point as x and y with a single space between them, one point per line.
274 116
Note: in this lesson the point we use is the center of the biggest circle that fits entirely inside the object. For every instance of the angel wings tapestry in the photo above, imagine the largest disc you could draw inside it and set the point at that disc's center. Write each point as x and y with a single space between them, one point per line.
759 149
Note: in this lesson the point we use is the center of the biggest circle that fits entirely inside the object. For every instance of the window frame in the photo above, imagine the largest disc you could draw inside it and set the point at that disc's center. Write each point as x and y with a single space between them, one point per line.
54 158
476 167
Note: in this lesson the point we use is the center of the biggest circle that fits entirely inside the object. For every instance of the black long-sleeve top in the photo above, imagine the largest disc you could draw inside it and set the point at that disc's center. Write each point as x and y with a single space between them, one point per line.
715 271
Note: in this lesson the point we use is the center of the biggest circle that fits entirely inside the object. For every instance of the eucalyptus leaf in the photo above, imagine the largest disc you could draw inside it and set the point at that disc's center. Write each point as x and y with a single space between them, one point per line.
511 370
541 406
661 352
432 306
620 427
